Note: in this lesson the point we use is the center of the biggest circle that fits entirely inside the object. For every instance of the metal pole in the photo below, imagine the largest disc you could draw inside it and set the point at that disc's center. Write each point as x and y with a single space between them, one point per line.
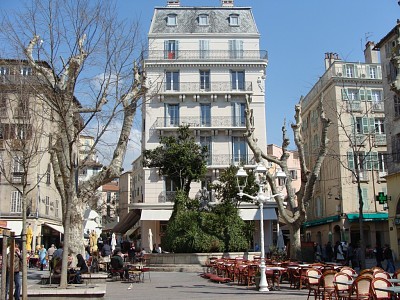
6 235
263 279
11 270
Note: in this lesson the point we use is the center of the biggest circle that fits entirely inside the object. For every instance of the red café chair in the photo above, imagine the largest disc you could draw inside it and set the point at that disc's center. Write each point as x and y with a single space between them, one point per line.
361 287
381 274
381 295
314 278
328 287
342 291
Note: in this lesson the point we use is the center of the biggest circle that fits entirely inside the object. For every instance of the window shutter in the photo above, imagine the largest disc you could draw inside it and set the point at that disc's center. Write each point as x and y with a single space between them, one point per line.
344 71
355 71
379 72
369 95
165 49
362 94
350 160
371 125
368 75
344 94
176 49
365 124
365 198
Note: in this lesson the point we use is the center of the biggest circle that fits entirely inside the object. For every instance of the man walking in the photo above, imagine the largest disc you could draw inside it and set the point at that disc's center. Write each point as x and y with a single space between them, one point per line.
17 268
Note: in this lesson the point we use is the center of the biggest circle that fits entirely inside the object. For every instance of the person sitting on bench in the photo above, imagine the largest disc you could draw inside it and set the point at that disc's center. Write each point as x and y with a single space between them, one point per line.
117 265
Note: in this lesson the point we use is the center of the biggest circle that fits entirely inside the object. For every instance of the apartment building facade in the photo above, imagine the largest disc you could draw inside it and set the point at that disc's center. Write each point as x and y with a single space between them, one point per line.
25 127
352 97
389 47
203 64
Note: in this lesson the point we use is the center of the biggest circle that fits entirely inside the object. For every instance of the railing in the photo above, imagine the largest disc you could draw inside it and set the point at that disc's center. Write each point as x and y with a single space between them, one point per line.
232 159
380 140
206 55
198 122
363 176
197 87
354 105
165 197
20 79
378 107
358 139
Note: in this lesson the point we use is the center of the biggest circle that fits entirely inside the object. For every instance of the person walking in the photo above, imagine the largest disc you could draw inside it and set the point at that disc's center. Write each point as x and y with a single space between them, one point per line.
17 269
388 255
378 251
42 257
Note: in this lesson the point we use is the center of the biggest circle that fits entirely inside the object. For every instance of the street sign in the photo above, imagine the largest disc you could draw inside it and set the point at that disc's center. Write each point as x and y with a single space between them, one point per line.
382 198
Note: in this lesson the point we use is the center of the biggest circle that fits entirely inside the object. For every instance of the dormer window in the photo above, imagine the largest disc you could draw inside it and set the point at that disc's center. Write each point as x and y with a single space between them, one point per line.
26 71
4 71
203 20
171 20
234 20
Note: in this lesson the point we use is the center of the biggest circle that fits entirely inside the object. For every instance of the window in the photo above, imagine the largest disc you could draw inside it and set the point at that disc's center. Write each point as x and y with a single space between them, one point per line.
172 80
350 70
376 95
26 71
203 20
205 114
16 202
235 49
47 205
365 160
373 72
4 71
237 80
205 80
56 211
3 105
234 20
239 150
364 125
364 195
171 49
379 126
293 174
350 94
206 141
171 20
238 114
396 148
170 186
382 162
172 115
48 174
396 101
17 170
204 48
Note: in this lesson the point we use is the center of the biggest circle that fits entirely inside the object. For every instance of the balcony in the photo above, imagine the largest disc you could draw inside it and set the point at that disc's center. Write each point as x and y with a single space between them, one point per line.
231 159
358 139
380 140
363 176
166 197
209 55
354 106
378 107
210 88
20 79
198 122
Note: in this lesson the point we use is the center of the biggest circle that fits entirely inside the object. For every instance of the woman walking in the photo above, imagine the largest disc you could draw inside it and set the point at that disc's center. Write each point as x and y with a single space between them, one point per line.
42 257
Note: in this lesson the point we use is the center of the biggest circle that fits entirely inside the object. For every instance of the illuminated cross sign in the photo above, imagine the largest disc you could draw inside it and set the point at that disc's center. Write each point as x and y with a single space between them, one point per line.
382 198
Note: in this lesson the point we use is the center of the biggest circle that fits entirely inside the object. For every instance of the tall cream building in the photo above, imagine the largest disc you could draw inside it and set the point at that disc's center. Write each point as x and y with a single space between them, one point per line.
25 122
389 48
352 97
203 63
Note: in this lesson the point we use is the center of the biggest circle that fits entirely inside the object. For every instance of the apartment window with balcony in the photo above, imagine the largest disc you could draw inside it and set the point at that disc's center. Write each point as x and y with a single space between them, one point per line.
382 162
237 80
396 102
376 95
171 49
350 70
207 141
239 150
171 20
17 170
350 94
373 72
238 114
204 48
379 125
205 80
205 114
235 48
172 80
47 205
203 20
366 202
26 71
172 114
16 202
364 125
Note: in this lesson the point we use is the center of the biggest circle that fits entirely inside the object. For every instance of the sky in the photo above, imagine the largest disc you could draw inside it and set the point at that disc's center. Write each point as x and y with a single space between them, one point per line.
296 34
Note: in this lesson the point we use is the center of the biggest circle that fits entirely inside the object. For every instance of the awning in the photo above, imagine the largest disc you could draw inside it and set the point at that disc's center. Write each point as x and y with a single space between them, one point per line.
132 231
58 228
254 214
321 221
156 214
14 226
380 216
127 222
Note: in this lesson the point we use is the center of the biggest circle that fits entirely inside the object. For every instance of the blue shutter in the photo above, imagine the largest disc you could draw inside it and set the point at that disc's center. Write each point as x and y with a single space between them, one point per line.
165 49
350 160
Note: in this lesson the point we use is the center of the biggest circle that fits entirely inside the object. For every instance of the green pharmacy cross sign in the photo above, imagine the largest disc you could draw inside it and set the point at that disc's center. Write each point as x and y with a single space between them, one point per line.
382 198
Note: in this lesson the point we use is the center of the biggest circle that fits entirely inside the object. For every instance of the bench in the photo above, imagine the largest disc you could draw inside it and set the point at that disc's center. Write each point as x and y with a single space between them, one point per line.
87 277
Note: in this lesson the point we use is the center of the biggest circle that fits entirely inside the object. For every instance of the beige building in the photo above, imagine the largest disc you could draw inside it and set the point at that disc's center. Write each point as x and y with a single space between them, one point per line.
202 65
352 97
25 127
389 50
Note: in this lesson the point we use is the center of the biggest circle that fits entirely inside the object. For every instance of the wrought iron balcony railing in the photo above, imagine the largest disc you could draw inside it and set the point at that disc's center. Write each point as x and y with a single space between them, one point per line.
354 106
166 196
215 122
231 159
197 87
380 140
363 175
378 106
206 55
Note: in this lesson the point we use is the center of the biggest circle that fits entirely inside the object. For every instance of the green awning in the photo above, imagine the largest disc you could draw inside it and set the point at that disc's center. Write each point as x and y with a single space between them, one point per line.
321 221
380 216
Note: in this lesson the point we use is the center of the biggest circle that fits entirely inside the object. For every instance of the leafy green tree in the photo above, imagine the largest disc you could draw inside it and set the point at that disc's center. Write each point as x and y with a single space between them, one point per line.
180 158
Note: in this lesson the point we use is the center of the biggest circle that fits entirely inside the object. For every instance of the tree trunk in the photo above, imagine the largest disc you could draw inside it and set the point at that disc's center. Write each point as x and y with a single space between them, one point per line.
23 253
76 241
361 225
295 242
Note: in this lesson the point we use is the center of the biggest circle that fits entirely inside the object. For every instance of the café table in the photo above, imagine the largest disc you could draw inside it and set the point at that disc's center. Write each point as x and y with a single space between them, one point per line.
390 289
394 280
344 282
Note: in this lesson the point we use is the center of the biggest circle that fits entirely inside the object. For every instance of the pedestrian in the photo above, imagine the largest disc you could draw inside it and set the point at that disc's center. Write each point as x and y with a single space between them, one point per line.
378 251
42 257
329 251
388 255
339 252
17 269
350 255
50 253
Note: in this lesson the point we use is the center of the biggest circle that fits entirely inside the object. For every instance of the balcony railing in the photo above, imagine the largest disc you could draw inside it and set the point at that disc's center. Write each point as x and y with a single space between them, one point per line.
197 87
166 197
378 107
206 55
358 139
363 175
354 106
20 79
198 122
380 140
232 159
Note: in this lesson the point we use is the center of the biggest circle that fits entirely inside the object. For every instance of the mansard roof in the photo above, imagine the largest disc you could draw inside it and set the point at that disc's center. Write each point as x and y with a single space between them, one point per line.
188 22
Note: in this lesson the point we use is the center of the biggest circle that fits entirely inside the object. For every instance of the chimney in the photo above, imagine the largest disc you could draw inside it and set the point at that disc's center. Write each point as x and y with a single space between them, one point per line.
330 58
371 55
227 3
173 3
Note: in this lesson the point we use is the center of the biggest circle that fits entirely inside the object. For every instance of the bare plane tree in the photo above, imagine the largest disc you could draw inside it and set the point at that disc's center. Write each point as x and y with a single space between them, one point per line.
92 84
299 201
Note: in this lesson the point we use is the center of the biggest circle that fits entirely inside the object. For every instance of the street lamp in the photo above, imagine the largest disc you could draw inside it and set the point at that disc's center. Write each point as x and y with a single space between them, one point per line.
259 199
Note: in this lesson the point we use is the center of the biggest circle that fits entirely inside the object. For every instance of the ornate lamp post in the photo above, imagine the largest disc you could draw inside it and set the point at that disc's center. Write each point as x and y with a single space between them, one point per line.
259 200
